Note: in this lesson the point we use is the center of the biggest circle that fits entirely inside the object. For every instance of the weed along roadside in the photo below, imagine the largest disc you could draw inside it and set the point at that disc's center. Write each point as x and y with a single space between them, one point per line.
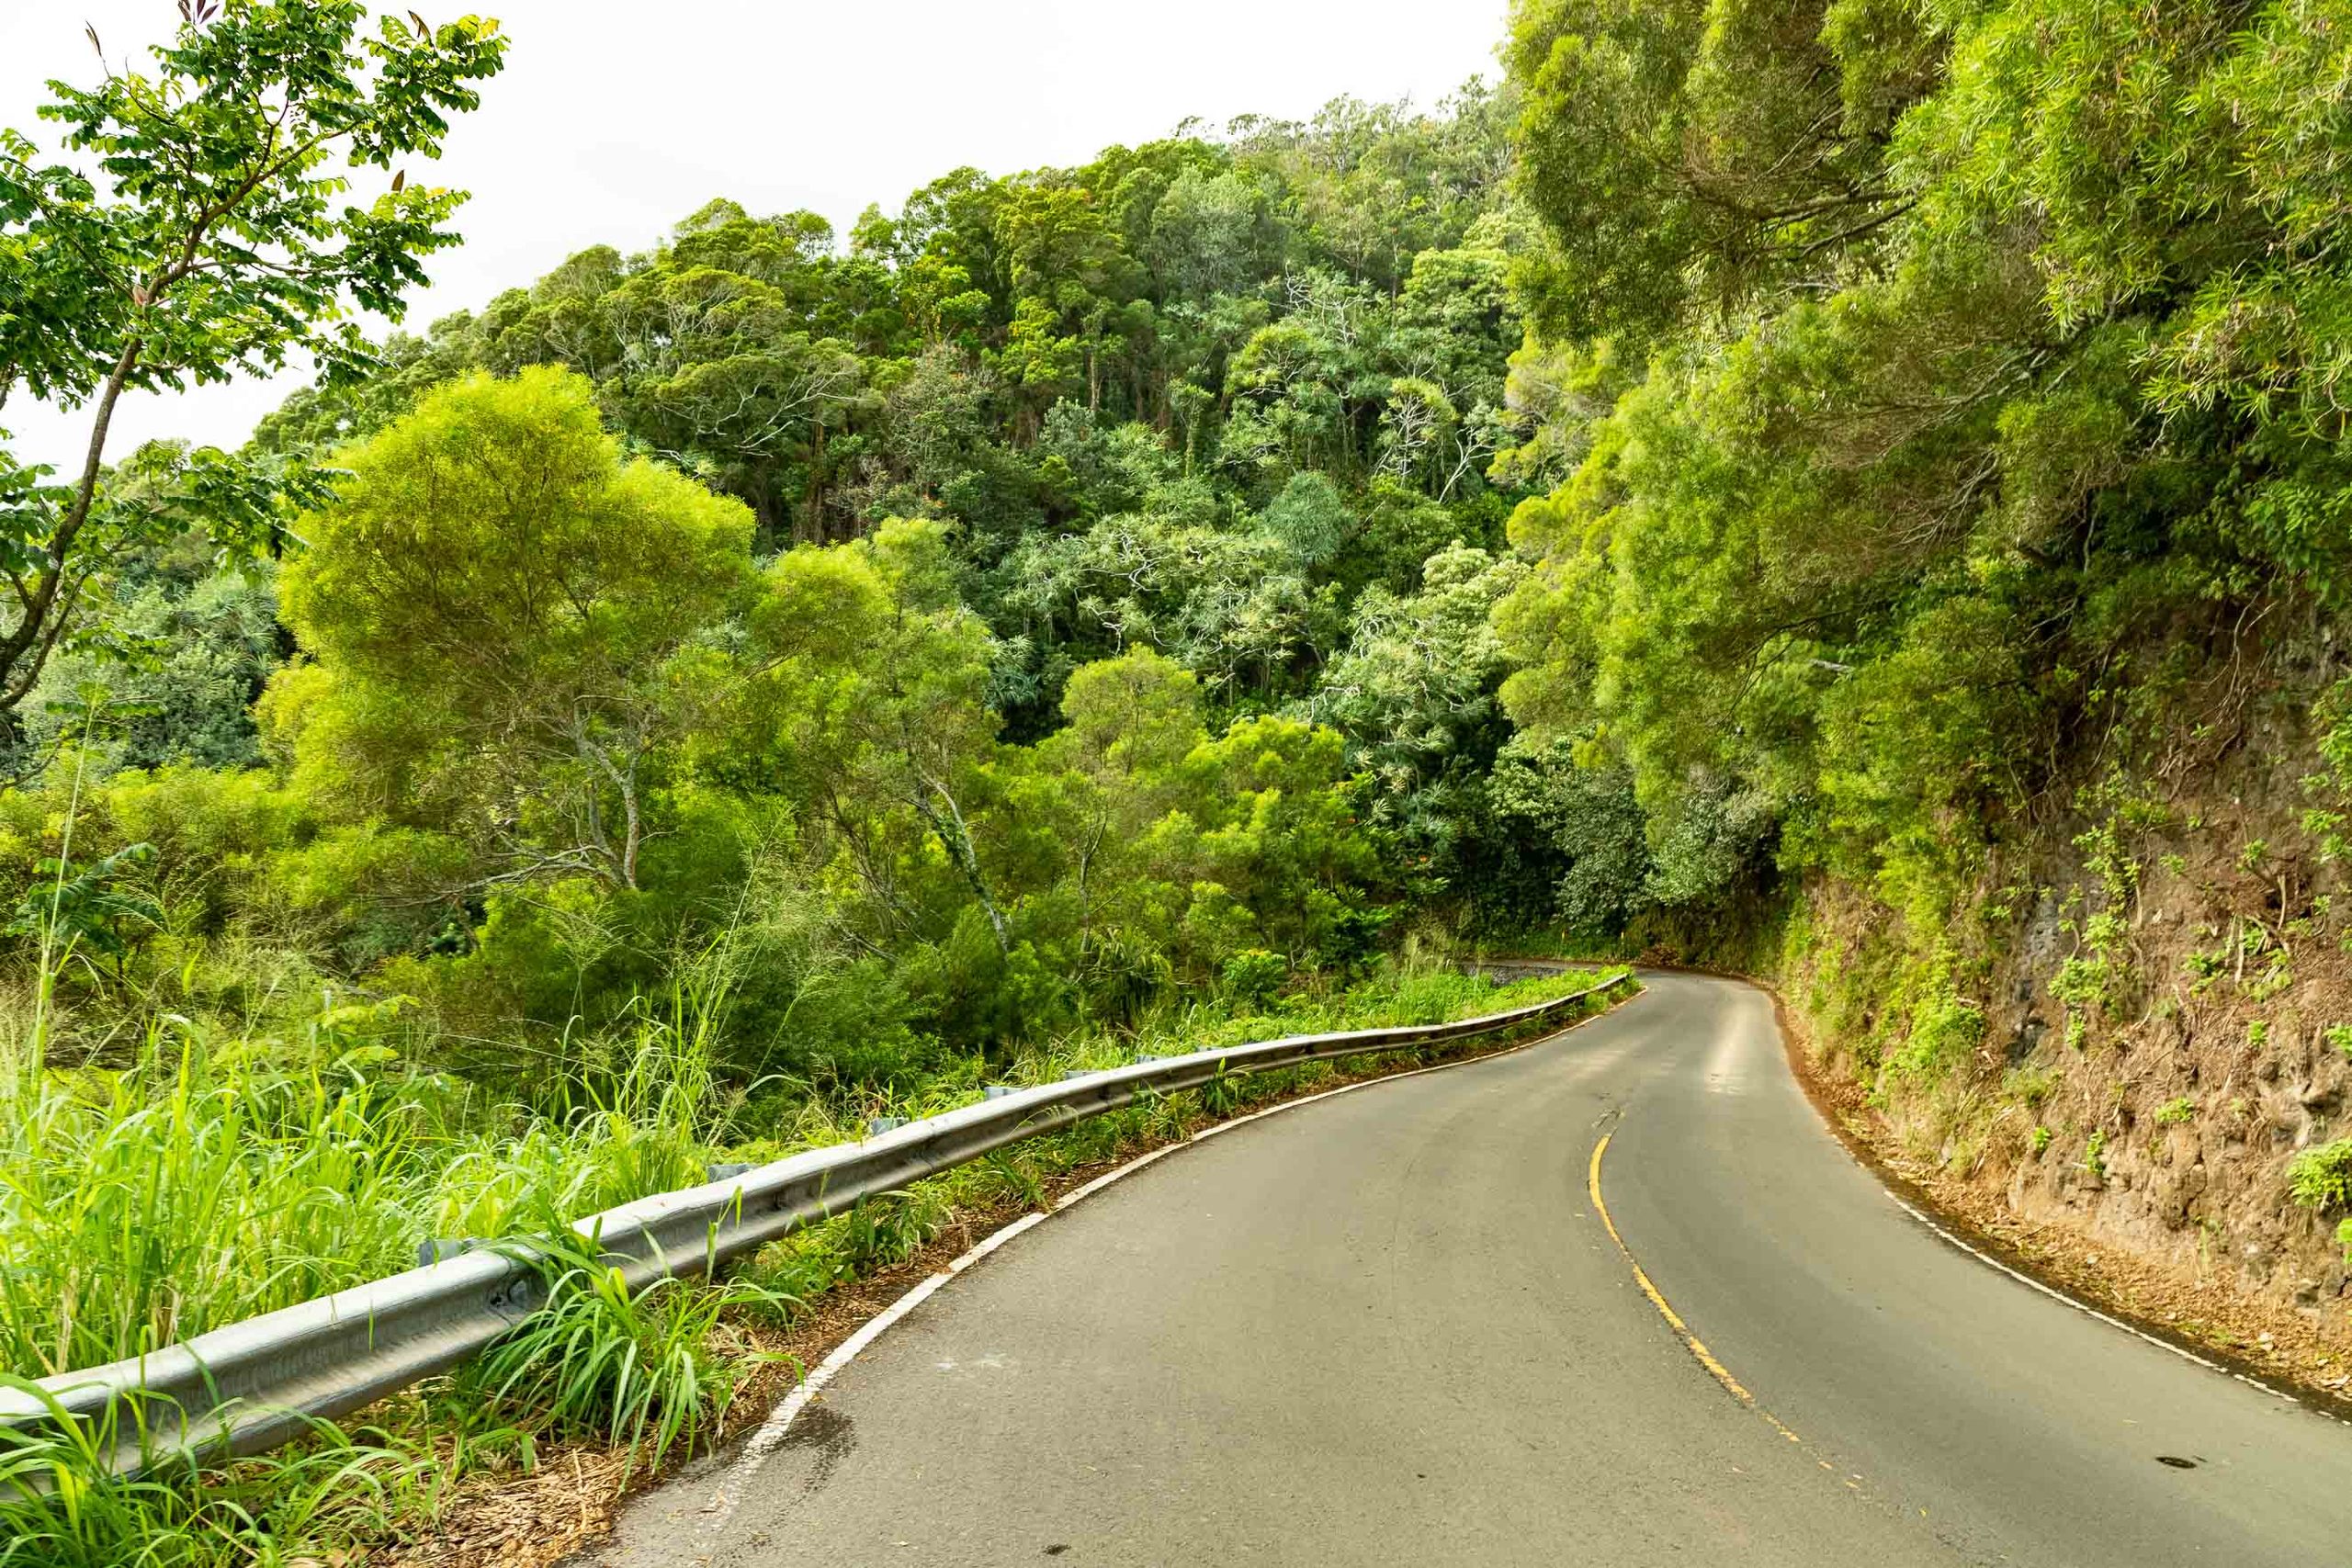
635 1368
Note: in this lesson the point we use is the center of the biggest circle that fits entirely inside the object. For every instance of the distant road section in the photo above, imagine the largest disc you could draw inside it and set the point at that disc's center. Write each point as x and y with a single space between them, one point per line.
1393 1328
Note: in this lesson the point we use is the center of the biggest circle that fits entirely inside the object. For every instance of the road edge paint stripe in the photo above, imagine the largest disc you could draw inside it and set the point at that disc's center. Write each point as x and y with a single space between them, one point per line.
1809 1086
2056 1294
1682 1331
774 1431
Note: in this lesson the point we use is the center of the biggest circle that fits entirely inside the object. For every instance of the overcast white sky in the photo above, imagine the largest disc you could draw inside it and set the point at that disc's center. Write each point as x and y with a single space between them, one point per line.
614 119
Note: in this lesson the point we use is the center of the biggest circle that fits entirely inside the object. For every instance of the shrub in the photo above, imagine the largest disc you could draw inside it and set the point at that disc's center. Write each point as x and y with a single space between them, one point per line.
2029 1086
1253 975
1945 1032
2322 1177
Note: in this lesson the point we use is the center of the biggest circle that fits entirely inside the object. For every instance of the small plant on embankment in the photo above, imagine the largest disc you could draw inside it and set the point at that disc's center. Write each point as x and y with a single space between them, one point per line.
2322 1177
645 1371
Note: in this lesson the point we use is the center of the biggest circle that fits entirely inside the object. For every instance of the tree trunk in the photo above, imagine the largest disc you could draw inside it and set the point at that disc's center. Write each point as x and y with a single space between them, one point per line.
816 498
35 635
957 836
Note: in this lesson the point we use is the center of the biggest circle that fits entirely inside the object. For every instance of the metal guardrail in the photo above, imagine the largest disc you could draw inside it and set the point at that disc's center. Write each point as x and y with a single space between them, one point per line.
252 1385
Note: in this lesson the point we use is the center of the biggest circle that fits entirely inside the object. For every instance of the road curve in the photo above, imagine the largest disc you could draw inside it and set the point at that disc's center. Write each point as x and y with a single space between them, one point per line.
1391 1327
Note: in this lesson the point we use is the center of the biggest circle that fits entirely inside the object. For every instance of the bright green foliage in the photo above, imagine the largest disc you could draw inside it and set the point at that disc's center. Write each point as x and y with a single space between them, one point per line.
507 621
1945 1031
634 1369
64 1506
199 231
212 1179
2322 1177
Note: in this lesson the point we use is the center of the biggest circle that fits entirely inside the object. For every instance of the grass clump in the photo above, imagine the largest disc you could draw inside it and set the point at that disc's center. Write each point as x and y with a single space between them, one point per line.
62 1506
646 1371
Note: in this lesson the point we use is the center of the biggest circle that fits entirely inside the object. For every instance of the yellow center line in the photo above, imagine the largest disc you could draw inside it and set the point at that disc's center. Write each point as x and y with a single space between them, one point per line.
1691 1341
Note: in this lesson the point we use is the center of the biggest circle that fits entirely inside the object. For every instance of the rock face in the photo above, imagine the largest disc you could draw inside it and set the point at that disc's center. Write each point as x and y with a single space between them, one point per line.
2150 1094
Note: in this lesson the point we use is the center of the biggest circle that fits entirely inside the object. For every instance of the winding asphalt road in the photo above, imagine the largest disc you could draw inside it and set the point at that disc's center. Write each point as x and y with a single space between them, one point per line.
1392 1327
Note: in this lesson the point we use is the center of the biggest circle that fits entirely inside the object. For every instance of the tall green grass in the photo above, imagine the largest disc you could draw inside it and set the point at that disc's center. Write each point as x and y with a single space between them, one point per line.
644 1370
207 1182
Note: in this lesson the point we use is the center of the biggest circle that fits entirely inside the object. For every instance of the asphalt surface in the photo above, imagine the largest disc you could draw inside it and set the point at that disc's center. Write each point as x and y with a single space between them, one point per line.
1390 1328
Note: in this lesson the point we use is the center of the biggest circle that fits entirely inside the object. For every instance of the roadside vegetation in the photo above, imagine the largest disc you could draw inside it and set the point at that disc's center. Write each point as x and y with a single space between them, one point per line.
1949 592
645 1375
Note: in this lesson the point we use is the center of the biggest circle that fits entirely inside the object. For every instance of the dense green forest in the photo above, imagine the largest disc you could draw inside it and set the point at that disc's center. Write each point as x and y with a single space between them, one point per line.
1969 437
1952 576
1075 583
1853 491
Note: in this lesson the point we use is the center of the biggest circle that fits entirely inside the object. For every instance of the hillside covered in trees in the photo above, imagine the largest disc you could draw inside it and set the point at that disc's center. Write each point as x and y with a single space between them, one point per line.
1074 581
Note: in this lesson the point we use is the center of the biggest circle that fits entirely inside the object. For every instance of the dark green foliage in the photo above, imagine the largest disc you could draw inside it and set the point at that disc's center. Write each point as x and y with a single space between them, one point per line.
88 907
1592 823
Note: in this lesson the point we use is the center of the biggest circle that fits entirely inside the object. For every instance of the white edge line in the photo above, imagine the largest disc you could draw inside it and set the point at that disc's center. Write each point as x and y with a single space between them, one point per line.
1949 1237
772 1432
2087 1308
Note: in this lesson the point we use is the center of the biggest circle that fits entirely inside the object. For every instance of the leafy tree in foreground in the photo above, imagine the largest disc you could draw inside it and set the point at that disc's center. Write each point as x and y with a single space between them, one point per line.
206 238
510 623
